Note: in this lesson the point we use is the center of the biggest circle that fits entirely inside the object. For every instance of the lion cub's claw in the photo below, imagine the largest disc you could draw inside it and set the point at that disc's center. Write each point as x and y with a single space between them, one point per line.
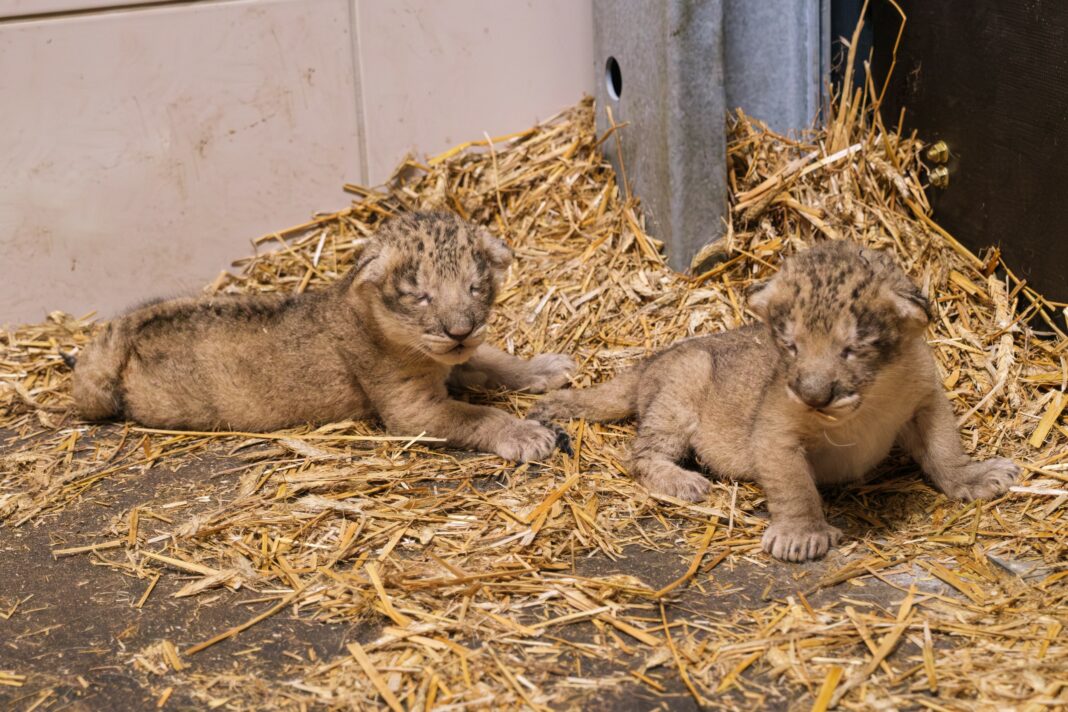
547 372
983 480
799 541
563 440
526 440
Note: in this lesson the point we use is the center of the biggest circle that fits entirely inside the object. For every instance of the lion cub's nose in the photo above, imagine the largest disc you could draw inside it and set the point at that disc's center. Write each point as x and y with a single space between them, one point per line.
817 401
814 394
458 333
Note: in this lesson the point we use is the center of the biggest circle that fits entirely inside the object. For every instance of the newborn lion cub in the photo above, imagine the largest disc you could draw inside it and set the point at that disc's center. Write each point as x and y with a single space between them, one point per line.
838 372
383 341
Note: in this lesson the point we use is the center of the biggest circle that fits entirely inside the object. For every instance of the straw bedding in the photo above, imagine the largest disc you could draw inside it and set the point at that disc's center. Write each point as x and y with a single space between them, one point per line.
485 585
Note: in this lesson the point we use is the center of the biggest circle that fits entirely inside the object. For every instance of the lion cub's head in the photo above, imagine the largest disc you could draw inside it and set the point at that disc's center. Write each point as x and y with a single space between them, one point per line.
431 278
838 314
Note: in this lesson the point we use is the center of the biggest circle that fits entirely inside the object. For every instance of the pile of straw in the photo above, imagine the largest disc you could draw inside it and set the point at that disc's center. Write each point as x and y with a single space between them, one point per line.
484 585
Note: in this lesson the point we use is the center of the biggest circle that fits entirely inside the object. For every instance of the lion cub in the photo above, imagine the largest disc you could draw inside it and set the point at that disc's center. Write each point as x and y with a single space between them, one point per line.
385 340
837 373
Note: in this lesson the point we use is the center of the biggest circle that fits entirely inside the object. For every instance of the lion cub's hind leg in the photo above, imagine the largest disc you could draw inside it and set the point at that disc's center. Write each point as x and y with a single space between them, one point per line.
613 400
658 448
98 374
668 422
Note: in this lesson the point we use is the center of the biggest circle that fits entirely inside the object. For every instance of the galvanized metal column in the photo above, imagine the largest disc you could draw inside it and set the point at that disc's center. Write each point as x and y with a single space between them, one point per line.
778 56
662 73
673 69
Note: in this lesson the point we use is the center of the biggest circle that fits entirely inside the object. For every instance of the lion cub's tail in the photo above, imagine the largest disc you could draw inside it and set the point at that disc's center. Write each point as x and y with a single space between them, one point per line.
613 400
96 391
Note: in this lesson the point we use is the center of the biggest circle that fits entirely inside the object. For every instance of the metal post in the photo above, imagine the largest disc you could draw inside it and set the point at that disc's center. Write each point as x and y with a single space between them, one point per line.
672 69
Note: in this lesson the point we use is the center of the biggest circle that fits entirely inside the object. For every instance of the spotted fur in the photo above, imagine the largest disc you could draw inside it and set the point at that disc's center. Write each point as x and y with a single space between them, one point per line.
838 314
384 341
837 373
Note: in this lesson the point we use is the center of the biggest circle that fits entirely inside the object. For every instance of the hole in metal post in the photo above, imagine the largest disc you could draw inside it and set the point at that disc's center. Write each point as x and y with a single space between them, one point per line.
613 78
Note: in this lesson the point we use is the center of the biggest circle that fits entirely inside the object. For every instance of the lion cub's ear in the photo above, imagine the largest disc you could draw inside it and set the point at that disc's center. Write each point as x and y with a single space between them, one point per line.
497 252
905 298
371 263
909 303
759 296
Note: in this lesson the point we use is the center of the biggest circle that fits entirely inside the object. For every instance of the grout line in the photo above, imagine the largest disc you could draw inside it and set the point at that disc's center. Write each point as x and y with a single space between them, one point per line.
101 10
358 81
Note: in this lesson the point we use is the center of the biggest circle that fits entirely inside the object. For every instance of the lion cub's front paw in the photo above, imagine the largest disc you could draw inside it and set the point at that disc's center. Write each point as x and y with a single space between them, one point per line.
525 440
800 541
547 372
982 480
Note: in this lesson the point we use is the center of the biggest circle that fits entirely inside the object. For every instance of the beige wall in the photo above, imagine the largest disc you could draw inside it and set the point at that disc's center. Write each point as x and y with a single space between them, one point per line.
466 67
141 148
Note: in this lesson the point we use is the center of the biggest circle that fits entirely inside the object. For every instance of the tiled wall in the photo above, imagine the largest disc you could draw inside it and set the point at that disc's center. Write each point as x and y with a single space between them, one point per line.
142 147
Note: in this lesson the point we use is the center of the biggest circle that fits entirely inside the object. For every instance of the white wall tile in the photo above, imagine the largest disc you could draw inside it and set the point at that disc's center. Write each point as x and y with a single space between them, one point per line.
438 73
140 151
141 148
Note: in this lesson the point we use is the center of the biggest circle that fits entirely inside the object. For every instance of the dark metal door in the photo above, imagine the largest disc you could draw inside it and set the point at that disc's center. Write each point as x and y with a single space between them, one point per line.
990 78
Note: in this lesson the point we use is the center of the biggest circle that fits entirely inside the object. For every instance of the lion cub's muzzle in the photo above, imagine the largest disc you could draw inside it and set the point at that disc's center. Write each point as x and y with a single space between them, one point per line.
454 347
829 407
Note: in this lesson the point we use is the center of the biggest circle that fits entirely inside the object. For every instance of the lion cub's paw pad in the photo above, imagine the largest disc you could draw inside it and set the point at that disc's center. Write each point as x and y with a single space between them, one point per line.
799 541
984 480
547 372
526 440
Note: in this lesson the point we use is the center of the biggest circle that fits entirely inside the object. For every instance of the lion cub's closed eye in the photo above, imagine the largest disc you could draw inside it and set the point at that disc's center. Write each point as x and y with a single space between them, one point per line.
837 373
384 341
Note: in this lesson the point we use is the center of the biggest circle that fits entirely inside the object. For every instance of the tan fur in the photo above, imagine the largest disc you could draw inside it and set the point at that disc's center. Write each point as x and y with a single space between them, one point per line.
818 394
375 343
